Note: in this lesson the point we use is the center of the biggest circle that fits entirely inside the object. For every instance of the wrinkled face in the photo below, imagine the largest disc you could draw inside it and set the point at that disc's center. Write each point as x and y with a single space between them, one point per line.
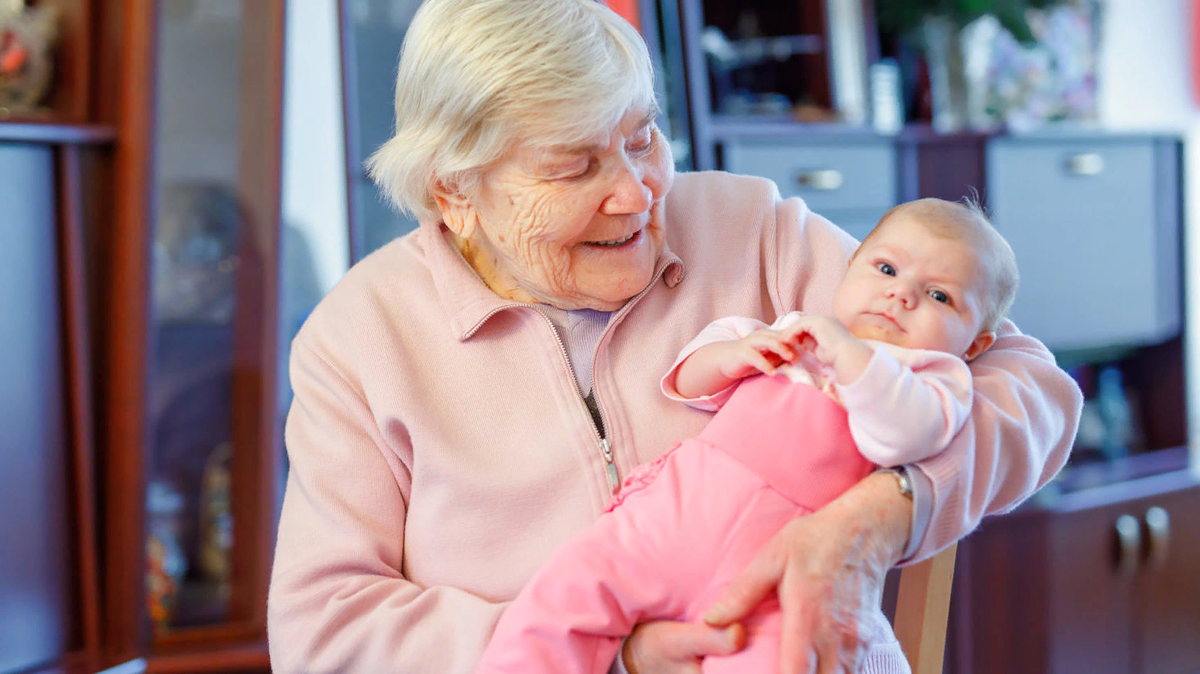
908 287
578 226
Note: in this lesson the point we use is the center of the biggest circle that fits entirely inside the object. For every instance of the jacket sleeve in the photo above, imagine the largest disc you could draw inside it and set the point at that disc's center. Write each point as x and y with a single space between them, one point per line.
902 412
1024 415
1024 412
338 601
720 330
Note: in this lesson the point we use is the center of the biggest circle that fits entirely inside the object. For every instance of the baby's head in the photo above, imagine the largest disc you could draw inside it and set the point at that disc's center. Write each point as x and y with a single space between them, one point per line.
932 275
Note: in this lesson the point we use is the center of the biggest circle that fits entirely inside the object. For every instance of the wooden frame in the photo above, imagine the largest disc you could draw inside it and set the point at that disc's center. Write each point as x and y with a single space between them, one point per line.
922 608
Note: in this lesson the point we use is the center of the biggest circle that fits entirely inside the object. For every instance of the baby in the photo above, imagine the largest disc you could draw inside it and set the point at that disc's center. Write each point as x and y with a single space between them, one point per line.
807 408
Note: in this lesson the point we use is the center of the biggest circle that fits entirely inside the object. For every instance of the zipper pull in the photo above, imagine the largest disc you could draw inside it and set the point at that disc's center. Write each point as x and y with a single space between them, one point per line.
613 481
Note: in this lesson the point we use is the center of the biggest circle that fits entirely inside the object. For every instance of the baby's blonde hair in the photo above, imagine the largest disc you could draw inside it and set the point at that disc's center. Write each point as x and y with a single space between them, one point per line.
966 221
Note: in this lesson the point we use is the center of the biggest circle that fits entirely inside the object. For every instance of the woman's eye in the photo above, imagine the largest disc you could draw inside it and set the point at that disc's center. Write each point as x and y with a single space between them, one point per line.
642 141
939 296
577 171
885 268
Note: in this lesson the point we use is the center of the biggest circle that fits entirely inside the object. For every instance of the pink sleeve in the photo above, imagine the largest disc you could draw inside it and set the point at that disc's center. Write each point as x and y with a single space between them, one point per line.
720 330
907 405
338 601
1023 419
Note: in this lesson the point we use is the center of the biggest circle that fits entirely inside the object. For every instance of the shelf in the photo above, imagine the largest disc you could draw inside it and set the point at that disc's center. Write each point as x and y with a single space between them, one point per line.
239 658
1098 484
725 127
53 133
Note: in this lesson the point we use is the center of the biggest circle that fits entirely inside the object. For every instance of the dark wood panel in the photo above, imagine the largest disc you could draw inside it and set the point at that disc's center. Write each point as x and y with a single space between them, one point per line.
36 588
1002 582
72 212
946 167
122 367
1169 595
1092 606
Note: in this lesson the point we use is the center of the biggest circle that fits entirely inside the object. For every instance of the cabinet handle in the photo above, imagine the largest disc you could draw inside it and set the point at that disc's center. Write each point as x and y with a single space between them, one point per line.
1158 525
1087 164
1129 544
821 179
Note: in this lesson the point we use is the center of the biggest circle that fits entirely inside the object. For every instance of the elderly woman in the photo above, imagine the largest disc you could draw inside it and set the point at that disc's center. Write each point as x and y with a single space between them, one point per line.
472 394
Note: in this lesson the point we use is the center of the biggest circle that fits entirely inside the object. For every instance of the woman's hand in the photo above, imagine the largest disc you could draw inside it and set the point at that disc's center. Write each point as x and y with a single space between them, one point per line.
668 647
828 569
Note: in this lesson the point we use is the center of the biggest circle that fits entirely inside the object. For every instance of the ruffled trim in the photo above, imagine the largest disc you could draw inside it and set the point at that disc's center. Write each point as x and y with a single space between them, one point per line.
639 479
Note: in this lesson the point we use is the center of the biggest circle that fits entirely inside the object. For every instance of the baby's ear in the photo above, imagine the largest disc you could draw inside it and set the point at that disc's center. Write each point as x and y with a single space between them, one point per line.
982 342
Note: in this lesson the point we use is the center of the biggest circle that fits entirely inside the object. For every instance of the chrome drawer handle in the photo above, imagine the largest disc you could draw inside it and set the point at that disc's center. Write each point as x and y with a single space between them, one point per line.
1089 164
821 179
1129 544
1158 525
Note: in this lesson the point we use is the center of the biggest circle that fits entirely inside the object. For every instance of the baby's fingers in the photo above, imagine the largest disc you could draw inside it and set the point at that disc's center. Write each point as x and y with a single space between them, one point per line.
776 345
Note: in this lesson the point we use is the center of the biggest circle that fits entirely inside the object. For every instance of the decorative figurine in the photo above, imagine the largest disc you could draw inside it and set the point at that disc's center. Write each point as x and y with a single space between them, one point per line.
216 520
27 35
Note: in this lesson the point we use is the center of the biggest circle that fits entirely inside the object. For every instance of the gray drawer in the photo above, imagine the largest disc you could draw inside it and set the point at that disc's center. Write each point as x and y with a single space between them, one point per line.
1098 252
832 177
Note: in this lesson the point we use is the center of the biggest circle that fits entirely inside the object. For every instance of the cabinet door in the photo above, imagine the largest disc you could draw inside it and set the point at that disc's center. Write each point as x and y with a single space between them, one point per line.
1091 601
1169 590
1085 219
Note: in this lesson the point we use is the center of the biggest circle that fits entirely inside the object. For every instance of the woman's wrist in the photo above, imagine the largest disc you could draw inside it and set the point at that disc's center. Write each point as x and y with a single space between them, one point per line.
880 516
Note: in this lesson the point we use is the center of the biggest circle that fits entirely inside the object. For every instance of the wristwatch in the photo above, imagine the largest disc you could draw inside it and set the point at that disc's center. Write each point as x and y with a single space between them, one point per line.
902 481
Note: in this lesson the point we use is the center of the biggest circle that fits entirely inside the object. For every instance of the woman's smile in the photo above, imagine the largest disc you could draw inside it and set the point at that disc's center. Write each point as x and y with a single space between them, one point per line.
633 238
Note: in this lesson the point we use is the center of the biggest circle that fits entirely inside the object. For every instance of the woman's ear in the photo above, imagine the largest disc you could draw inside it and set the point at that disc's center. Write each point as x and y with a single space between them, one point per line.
982 342
456 209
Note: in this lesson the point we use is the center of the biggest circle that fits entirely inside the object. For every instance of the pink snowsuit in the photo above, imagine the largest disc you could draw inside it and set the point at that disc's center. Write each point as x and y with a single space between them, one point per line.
681 529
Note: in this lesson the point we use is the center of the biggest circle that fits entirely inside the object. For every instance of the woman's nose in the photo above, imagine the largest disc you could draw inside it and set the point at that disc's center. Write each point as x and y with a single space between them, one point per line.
631 191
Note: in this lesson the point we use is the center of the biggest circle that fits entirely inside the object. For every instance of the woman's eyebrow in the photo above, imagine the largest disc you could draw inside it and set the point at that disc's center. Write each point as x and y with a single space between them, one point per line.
589 148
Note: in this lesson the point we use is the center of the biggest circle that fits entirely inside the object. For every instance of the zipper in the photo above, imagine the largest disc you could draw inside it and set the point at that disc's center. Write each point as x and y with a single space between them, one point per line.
606 452
606 449
610 466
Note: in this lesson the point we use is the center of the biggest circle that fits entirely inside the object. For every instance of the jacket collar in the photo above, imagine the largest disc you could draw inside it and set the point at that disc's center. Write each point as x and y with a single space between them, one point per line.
469 303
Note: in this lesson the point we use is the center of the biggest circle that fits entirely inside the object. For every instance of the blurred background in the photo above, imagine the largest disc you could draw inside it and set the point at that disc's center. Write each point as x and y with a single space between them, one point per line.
181 181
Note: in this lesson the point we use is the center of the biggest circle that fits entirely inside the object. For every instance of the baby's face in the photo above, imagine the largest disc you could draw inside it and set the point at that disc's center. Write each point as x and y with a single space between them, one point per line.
913 289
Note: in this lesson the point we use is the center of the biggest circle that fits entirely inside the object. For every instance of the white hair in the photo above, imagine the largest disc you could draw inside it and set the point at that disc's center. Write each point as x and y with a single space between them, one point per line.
477 77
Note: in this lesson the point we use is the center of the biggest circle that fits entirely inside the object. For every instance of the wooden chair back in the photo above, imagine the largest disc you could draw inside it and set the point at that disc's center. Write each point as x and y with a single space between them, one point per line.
922 607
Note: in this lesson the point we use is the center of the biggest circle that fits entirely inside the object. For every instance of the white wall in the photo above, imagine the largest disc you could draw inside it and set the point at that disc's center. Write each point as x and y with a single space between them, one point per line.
1145 83
314 160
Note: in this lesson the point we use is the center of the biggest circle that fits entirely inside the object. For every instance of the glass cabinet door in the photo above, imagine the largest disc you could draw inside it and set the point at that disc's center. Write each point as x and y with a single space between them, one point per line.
213 436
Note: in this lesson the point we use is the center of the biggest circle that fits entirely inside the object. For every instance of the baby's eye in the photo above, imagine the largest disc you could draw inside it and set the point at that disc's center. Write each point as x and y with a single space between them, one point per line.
939 296
885 268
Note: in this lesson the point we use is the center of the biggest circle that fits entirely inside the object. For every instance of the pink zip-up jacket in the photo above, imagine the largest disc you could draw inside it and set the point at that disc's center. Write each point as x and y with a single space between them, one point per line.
439 449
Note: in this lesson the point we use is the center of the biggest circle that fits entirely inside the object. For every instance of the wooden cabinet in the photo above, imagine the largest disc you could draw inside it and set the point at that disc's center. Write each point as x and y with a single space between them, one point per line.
1102 580
142 235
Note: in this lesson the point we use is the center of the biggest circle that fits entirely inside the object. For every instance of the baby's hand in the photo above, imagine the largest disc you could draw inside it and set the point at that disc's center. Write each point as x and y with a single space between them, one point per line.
760 351
822 337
